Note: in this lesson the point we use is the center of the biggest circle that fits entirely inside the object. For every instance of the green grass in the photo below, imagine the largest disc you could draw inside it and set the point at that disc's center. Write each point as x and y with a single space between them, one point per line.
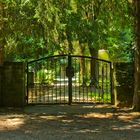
106 97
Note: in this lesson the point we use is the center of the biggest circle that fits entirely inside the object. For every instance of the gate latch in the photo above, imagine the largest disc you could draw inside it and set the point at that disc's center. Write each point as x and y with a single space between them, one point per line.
69 71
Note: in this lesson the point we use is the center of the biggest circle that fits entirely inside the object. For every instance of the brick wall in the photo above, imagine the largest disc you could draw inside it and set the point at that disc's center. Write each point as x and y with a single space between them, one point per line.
12 84
123 83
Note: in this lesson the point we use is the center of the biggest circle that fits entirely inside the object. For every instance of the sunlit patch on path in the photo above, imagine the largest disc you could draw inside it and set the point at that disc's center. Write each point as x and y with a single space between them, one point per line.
70 122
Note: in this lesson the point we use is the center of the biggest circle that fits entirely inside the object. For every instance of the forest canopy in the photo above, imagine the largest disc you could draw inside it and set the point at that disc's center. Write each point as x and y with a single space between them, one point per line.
32 29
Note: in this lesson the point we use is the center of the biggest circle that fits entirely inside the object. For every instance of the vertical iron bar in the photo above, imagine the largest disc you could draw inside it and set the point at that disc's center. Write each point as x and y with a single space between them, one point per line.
60 82
70 80
36 84
102 94
97 82
83 90
99 79
90 85
52 69
48 87
87 77
111 83
75 65
42 85
79 81
106 90
56 61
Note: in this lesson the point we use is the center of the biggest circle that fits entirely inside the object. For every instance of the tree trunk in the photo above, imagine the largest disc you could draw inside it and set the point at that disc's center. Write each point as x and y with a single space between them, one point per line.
82 65
93 67
2 36
70 46
136 99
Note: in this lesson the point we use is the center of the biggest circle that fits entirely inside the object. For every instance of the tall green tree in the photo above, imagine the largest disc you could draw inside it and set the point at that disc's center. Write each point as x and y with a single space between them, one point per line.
37 28
136 101
21 33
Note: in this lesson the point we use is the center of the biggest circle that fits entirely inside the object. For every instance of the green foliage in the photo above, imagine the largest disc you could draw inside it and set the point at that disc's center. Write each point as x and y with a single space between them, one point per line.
106 97
33 29
45 76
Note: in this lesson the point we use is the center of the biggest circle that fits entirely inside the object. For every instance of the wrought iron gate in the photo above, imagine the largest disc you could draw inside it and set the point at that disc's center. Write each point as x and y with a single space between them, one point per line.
66 79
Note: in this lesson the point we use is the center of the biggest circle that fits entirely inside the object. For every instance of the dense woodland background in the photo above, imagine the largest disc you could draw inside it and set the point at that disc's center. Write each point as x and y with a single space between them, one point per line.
32 29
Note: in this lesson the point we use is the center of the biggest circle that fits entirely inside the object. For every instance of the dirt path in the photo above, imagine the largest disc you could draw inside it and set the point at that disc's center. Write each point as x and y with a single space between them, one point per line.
76 122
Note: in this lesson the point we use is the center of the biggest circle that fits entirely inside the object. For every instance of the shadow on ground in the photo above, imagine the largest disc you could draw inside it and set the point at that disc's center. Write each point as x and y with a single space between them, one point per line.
59 122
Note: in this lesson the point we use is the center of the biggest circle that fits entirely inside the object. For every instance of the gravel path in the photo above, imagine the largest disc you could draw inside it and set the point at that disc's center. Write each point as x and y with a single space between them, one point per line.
63 122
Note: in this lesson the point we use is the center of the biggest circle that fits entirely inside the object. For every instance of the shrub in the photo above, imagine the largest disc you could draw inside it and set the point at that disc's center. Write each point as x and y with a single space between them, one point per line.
45 76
